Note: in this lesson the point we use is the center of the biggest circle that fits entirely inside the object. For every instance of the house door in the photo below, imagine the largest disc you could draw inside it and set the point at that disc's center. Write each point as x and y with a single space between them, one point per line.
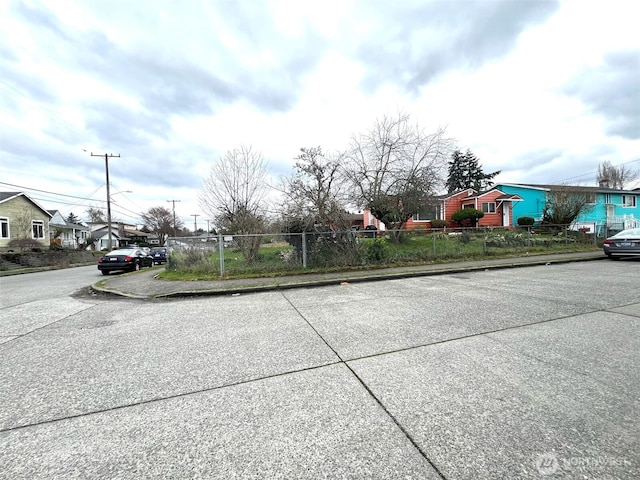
506 210
611 210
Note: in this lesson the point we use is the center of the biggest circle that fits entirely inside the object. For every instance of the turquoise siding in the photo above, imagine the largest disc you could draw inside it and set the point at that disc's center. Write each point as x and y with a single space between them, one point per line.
532 203
607 209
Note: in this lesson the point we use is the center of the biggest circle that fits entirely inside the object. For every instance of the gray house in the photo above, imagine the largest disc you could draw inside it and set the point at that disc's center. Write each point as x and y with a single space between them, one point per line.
67 234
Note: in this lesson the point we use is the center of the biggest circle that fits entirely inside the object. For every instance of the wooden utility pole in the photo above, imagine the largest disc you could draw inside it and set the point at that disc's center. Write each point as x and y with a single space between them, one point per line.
174 215
195 223
107 156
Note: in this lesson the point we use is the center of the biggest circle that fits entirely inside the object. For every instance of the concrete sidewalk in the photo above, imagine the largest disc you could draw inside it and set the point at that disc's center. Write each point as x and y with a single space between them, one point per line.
144 284
487 373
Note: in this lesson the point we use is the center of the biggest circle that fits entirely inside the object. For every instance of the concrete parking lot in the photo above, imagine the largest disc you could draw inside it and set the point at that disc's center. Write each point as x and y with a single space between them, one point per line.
521 373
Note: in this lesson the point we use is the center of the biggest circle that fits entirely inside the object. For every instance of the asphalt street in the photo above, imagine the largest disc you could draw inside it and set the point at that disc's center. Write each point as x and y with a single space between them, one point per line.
528 373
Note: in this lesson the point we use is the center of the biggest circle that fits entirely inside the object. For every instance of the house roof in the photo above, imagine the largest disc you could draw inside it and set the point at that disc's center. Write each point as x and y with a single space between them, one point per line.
6 196
578 188
97 235
136 233
513 198
503 197
453 194
76 226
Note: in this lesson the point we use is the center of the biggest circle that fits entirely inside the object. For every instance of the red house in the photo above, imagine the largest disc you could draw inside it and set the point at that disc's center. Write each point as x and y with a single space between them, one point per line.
496 205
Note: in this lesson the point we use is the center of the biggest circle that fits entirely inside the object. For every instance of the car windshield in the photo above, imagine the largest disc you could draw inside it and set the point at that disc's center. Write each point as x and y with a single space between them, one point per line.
129 252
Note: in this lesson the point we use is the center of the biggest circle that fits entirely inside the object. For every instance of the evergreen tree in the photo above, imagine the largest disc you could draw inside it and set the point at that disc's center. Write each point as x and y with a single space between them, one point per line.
465 172
72 218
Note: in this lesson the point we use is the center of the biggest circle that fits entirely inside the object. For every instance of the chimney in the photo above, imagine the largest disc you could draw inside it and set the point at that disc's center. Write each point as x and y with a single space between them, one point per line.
604 183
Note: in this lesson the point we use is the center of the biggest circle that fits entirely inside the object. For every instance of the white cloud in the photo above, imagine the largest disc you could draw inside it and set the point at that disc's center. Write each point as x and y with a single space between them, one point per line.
540 90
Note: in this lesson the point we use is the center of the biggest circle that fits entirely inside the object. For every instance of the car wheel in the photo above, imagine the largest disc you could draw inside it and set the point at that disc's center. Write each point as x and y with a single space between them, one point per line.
104 272
136 267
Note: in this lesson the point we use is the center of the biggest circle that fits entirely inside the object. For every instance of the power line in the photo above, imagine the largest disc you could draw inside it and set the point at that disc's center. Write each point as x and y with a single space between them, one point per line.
53 193
596 171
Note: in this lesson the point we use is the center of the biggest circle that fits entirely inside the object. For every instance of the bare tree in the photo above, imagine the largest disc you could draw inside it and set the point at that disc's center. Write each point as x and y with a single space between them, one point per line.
235 194
22 231
616 176
396 169
316 190
564 204
315 203
95 215
159 221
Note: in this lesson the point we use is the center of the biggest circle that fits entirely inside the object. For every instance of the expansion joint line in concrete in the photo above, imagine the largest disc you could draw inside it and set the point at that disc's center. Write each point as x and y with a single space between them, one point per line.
371 393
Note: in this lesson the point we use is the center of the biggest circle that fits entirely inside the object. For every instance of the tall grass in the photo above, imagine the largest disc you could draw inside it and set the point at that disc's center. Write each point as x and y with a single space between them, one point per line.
417 247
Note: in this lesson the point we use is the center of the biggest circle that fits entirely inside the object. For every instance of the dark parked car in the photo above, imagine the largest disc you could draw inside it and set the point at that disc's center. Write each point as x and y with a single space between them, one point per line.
159 255
128 259
623 244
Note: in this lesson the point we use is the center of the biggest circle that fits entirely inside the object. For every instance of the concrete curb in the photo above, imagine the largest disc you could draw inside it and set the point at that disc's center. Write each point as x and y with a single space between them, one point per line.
347 277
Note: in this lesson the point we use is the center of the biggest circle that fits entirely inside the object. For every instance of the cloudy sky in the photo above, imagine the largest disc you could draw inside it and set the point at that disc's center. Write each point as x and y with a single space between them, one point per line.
542 90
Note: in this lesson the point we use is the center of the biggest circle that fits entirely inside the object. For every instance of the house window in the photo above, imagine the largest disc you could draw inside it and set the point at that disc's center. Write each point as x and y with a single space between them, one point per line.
607 199
469 205
628 200
489 207
590 197
4 227
428 212
37 227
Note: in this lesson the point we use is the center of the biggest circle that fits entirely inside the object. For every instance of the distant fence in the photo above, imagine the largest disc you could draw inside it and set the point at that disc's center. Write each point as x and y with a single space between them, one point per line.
279 253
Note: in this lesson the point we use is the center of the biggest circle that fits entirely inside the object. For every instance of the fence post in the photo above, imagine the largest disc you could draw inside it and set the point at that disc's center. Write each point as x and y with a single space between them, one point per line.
484 242
221 252
304 249
434 244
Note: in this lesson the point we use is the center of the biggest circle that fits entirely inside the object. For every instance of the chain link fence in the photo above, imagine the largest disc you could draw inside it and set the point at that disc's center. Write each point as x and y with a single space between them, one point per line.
297 252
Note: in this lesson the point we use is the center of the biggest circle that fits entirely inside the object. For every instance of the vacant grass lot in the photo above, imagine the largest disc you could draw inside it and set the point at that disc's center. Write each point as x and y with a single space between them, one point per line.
277 258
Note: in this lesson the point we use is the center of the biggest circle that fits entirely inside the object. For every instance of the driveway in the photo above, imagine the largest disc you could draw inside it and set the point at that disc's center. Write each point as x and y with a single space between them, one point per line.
520 373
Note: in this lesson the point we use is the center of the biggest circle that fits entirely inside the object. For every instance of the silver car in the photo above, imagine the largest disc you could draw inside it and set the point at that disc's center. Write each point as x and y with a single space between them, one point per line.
623 244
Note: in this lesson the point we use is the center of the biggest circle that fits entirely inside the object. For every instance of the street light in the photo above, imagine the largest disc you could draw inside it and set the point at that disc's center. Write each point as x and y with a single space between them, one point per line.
122 191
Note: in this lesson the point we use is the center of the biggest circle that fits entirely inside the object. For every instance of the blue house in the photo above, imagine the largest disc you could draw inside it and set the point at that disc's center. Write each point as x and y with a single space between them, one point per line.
607 208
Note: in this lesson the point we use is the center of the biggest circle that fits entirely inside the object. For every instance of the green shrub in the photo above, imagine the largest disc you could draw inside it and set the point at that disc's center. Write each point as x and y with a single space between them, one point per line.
328 249
25 245
439 223
526 221
377 250
467 215
191 261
